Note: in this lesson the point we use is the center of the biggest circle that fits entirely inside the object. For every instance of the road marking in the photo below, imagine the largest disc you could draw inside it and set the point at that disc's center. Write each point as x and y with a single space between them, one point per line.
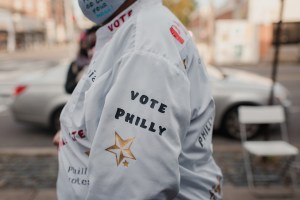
295 109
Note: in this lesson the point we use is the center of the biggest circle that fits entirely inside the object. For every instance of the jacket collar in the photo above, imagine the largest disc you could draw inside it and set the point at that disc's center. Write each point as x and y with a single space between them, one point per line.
106 32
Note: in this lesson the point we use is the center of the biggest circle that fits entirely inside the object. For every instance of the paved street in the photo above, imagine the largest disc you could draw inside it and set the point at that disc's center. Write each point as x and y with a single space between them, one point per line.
32 175
21 135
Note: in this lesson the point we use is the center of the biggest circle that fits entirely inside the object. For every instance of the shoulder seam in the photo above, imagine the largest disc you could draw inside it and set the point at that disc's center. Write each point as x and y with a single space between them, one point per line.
156 56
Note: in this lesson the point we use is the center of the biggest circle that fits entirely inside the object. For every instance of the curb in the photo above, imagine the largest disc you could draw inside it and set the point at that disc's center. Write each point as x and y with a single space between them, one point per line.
236 148
52 151
28 151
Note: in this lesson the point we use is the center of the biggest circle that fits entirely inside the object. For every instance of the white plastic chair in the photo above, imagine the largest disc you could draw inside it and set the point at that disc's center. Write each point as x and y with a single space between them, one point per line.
281 148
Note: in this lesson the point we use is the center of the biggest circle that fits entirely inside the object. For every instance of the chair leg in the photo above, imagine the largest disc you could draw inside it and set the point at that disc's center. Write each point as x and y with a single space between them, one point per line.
287 167
293 173
294 179
248 168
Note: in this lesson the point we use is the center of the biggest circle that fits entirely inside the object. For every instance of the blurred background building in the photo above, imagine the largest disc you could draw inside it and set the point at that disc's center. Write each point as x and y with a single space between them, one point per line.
242 31
227 31
29 23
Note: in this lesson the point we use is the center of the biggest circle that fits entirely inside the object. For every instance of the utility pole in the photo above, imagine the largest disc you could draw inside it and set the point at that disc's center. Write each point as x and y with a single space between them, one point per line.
275 60
276 53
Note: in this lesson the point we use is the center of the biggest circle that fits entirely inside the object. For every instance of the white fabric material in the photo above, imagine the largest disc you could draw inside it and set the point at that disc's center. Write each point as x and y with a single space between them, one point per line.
99 10
261 114
144 111
270 148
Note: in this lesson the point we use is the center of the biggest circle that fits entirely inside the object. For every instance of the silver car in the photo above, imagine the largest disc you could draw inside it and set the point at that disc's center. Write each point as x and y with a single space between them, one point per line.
40 98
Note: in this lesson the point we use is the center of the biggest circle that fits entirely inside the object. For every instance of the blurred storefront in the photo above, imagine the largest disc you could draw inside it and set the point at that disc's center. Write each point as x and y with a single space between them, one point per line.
30 32
265 14
236 41
7 31
29 23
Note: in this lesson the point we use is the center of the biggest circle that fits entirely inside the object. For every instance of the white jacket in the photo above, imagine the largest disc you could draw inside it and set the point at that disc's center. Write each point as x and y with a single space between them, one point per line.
139 124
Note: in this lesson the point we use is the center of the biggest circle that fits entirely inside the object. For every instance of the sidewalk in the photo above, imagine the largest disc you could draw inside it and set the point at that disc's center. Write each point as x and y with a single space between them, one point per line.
229 193
30 174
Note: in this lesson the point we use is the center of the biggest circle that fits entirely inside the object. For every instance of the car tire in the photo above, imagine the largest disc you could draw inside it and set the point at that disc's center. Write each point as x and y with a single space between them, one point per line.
55 122
231 127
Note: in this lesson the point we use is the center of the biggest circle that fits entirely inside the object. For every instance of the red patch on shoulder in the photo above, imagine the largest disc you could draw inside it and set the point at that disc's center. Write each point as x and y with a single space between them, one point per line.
176 33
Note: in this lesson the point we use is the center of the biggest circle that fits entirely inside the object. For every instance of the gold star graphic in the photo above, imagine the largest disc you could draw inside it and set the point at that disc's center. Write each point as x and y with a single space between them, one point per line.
125 163
121 149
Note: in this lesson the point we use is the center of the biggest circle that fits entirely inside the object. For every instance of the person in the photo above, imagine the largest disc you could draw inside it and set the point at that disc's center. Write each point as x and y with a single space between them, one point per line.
139 123
86 48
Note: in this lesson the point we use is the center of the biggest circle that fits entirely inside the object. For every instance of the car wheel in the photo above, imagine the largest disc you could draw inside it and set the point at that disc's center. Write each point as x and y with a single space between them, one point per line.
55 122
231 126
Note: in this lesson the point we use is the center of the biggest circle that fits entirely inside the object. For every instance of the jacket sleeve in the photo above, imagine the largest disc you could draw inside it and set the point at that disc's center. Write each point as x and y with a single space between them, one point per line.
137 144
